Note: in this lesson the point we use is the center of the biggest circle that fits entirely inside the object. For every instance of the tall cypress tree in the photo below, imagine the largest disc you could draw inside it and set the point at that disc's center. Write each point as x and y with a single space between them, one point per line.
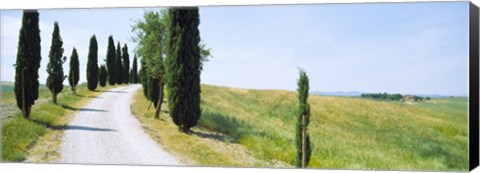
92 64
144 78
126 64
135 70
302 138
119 65
55 65
102 76
130 80
27 62
74 75
183 67
111 61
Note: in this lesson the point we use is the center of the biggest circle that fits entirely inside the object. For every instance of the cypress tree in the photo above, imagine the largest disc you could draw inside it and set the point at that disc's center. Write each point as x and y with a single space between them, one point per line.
153 94
130 80
102 75
55 65
126 64
135 70
183 67
143 78
119 65
111 61
92 64
74 75
27 62
302 138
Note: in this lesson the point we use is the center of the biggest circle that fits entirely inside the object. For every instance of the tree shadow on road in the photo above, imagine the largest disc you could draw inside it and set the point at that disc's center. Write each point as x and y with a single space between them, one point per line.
82 109
116 91
70 127
75 127
97 97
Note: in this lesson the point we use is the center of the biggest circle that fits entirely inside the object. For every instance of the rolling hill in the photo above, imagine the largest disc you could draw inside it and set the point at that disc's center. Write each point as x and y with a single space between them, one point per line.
346 133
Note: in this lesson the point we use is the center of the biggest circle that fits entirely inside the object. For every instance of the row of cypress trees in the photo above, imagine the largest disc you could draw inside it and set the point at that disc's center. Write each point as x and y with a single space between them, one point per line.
118 64
29 58
180 71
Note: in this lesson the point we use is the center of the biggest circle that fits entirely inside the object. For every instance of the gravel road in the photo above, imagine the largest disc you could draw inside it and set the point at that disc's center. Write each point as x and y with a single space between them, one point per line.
105 132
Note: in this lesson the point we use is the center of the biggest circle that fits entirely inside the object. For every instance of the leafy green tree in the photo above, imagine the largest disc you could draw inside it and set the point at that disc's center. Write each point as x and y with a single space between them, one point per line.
102 75
126 64
27 62
304 149
74 75
111 61
183 66
134 72
150 36
55 65
119 65
92 64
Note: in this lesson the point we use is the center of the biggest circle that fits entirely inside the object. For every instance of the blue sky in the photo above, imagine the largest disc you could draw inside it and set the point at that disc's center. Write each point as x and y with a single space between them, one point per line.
414 48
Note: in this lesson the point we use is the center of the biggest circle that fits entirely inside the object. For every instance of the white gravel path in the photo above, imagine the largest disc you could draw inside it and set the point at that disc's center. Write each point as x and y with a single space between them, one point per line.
105 132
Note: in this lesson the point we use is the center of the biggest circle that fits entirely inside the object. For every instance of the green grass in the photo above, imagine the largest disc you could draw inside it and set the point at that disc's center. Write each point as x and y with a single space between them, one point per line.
346 133
8 103
19 134
204 148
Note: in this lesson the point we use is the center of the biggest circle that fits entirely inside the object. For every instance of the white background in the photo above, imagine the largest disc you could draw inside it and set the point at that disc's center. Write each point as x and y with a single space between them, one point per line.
62 168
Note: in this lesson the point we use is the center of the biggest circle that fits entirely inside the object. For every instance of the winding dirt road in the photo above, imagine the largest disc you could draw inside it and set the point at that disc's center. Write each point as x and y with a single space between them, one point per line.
105 132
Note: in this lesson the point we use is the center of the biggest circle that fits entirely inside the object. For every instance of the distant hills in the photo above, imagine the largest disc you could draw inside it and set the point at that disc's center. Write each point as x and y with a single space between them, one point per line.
338 93
358 93
6 86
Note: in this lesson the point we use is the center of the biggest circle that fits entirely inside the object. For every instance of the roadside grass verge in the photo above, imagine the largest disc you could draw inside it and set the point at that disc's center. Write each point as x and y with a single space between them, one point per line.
203 148
346 133
39 137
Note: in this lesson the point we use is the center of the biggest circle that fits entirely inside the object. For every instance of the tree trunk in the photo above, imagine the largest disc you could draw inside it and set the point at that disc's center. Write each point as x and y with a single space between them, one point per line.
24 107
184 129
54 95
27 110
304 142
55 98
160 101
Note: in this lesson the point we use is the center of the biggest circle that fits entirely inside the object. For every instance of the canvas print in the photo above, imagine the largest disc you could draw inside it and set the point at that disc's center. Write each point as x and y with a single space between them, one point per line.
371 86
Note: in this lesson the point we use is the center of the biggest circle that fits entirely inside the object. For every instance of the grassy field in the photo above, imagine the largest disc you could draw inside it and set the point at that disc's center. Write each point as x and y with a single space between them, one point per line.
346 133
205 147
8 104
39 137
